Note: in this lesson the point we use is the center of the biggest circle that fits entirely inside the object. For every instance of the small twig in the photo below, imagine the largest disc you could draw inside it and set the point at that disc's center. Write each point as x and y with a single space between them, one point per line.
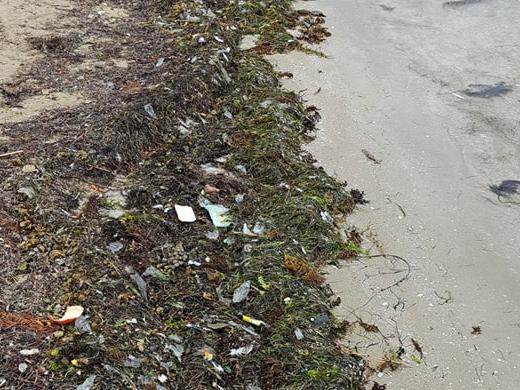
398 205
405 277
11 153
444 300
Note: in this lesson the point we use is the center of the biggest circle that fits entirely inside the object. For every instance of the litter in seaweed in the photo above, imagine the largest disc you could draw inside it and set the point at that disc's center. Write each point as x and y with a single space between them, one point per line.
155 134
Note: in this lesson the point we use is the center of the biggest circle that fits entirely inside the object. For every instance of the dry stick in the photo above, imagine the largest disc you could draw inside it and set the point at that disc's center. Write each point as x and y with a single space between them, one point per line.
11 153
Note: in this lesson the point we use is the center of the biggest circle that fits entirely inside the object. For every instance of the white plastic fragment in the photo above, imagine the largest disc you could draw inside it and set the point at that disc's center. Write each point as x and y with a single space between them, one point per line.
115 246
176 349
87 384
141 285
29 352
212 235
246 231
159 62
259 228
228 114
298 334
218 214
185 213
242 292
82 324
241 351
148 108
241 168
29 168
211 169
27 191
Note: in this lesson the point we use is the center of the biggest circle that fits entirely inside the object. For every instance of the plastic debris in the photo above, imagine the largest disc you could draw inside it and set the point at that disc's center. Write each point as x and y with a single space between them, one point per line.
27 191
218 214
87 384
159 62
326 217
175 337
246 231
72 313
185 213
242 350
259 228
242 292
240 168
148 108
29 168
115 246
321 320
221 297
82 324
166 365
211 169
133 362
177 349
162 378
155 273
141 285
223 159
207 353
228 114
266 103
29 352
248 42
229 241
239 198
298 334
213 235
253 321
22 367
112 213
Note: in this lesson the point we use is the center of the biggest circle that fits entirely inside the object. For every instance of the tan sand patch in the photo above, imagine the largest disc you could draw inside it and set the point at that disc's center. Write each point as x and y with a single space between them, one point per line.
36 105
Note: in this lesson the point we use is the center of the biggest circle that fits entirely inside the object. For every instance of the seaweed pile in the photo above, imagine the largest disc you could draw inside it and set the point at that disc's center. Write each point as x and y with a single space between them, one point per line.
88 202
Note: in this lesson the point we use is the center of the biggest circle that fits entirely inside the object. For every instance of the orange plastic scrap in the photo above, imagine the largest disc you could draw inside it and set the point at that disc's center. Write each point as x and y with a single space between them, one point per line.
303 270
26 321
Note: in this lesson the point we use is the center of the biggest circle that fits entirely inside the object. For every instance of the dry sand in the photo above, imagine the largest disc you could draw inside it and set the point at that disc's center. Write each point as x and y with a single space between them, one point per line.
19 21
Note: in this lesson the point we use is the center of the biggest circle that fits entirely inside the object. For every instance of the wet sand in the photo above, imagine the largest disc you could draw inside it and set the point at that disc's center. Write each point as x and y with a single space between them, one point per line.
411 83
